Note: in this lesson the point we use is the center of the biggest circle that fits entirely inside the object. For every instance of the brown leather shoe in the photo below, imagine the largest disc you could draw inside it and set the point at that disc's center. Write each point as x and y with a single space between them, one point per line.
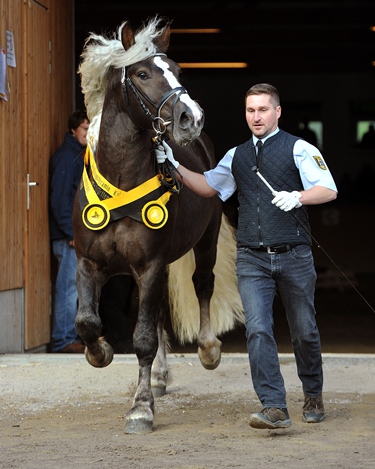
72 348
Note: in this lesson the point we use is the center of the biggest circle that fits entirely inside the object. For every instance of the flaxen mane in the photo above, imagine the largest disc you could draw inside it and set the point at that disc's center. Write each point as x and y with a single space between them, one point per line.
100 54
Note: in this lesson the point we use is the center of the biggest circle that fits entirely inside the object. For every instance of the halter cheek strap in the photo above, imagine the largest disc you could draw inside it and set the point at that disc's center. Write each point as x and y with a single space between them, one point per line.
157 120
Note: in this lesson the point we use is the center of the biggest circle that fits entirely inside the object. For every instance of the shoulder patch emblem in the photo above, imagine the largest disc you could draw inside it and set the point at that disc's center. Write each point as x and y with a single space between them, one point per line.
320 162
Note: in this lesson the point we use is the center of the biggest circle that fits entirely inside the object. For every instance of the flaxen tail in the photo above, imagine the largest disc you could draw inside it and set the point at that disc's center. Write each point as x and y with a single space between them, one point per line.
226 308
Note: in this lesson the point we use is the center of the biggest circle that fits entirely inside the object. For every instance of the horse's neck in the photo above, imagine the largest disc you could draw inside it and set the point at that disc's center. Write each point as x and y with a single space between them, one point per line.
124 154
123 151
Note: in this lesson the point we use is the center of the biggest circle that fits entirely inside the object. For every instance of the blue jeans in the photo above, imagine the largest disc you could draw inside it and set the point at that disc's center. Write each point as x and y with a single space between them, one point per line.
293 274
66 296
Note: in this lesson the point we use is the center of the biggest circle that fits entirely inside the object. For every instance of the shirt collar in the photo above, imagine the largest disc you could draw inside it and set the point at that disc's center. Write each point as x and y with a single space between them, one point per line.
255 140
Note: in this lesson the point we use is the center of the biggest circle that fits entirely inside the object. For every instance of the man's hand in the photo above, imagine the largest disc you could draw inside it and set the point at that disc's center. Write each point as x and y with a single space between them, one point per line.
163 152
287 200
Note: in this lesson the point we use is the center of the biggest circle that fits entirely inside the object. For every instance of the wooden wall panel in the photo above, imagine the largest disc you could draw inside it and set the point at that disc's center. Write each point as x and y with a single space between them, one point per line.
49 102
37 130
62 69
12 157
32 124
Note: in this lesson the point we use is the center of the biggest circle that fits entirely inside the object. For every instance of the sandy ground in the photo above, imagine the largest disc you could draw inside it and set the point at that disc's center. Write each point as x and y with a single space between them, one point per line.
56 411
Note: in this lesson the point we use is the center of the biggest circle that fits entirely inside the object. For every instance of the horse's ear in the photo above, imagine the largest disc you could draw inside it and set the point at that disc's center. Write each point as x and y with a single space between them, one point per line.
162 42
127 36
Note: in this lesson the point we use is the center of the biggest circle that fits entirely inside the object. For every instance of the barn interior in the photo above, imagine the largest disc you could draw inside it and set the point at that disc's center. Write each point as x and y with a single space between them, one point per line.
321 57
319 54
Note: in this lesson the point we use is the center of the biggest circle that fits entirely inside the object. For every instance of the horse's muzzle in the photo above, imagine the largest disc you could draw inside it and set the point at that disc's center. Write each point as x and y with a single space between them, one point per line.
188 123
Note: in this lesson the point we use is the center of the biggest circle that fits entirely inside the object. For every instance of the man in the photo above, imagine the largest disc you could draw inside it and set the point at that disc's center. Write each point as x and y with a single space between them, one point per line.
273 248
65 175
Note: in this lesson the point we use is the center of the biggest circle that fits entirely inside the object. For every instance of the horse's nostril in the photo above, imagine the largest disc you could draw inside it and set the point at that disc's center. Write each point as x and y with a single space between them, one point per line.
186 120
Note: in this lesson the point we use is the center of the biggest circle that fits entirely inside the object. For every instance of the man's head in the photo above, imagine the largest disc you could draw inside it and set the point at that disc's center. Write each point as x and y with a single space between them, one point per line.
78 125
263 109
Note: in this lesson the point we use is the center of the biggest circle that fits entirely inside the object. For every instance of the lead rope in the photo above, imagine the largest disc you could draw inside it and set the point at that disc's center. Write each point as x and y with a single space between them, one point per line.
167 170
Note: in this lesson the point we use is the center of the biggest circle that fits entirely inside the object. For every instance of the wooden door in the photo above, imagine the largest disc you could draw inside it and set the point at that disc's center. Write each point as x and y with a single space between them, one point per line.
37 69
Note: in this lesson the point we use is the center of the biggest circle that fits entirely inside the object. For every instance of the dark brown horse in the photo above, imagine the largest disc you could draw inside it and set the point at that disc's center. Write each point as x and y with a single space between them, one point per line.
132 217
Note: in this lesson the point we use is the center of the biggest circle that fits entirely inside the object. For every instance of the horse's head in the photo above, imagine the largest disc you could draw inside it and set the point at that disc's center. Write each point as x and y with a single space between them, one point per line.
154 95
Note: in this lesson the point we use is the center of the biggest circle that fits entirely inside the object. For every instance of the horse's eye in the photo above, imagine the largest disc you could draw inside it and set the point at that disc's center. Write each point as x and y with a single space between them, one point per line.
142 75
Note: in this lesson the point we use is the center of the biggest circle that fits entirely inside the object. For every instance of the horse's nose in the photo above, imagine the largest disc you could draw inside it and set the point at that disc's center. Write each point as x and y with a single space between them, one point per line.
188 120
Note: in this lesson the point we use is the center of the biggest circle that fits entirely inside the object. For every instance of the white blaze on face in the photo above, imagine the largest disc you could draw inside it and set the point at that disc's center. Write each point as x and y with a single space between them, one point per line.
174 83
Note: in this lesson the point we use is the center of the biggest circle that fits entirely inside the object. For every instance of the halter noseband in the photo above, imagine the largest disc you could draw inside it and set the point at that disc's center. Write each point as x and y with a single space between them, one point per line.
157 120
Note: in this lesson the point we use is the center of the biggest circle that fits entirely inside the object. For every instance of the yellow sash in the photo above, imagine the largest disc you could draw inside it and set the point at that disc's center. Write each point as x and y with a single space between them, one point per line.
96 215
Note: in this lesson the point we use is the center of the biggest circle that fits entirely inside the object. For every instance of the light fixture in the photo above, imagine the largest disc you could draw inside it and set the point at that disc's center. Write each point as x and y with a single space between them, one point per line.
213 64
206 64
196 30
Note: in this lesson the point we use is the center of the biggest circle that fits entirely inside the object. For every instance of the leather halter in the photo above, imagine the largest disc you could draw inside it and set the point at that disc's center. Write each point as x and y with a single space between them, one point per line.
157 120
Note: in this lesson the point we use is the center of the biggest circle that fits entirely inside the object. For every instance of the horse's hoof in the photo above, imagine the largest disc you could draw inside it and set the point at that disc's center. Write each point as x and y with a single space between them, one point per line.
103 357
210 359
139 426
159 391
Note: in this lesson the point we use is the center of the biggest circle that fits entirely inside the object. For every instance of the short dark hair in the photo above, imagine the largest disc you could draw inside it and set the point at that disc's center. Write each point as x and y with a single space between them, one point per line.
265 88
77 118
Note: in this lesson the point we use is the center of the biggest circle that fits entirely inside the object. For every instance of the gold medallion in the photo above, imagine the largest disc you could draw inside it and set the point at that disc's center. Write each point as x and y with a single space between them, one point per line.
95 216
154 214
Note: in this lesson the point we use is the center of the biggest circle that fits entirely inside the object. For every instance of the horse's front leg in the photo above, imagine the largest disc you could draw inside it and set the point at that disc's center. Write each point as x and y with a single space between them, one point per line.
140 417
87 323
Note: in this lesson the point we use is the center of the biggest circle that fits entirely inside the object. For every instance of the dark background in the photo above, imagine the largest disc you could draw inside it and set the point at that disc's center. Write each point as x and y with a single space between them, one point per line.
319 54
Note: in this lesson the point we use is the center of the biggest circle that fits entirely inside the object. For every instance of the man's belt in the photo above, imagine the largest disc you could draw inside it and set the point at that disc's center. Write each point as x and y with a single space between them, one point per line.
278 249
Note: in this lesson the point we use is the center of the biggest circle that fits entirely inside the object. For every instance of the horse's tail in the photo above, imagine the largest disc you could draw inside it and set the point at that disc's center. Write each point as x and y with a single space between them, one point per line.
225 308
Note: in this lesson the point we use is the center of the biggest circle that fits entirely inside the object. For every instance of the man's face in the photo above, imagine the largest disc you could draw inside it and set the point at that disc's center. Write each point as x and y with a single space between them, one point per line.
261 115
80 132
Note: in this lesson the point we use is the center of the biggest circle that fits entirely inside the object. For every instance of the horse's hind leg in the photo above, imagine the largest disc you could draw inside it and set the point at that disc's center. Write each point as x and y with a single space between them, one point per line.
159 371
209 346
87 323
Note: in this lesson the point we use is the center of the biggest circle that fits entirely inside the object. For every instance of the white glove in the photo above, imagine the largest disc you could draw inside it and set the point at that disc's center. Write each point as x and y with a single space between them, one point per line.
163 152
287 200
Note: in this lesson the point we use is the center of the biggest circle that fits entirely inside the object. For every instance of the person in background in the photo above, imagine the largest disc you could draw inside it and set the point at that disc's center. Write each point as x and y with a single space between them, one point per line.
306 133
368 138
273 249
66 168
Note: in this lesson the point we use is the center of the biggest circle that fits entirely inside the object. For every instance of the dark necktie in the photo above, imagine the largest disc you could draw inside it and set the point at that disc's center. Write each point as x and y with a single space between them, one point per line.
259 152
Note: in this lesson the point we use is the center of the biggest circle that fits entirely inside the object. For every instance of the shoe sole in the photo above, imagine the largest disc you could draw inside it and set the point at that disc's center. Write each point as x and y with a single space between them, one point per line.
257 422
314 419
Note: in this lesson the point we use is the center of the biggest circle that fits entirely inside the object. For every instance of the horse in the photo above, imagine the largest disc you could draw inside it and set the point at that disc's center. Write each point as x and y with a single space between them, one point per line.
134 217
